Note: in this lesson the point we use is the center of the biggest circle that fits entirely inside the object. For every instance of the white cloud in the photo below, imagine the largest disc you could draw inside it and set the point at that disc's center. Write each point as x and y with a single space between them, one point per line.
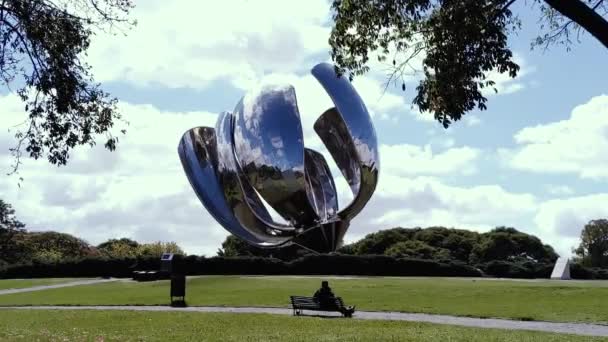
559 190
471 120
561 220
504 83
577 145
426 201
410 159
182 43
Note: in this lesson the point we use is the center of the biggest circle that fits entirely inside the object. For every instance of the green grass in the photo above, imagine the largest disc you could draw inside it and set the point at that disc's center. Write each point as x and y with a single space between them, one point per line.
85 325
22 283
547 301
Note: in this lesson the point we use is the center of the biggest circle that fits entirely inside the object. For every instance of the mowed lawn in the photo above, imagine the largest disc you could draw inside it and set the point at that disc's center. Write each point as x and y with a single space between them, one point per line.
525 300
23 283
83 325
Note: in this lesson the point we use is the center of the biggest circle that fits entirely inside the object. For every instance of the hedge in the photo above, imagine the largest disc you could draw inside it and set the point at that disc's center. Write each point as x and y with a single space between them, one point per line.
369 265
192 265
526 270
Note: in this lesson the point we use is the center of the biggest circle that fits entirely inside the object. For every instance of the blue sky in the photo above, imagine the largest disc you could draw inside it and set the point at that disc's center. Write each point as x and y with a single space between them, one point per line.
535 160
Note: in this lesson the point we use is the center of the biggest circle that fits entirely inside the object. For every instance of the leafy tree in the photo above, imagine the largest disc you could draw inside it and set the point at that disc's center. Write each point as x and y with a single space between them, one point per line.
459 42
458 242
157 249
55 246
440 243
417 249
119 248
379 242
42 46
593 249
10 227
509 244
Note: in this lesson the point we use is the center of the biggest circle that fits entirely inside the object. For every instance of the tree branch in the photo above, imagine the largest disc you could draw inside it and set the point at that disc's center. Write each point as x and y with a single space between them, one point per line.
583 15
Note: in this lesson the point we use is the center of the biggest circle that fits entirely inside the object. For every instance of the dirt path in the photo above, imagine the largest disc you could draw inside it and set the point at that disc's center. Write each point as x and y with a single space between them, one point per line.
56 286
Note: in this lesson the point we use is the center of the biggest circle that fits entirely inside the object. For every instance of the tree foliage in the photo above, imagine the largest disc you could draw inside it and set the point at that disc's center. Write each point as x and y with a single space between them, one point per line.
458 41
18 246
43 44
55 246
119 248
593 249
156 249
234 246
439 243
509 244
127 248
10 226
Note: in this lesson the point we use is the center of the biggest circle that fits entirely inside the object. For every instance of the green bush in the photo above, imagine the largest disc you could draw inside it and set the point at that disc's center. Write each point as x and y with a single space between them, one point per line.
507 269
578 271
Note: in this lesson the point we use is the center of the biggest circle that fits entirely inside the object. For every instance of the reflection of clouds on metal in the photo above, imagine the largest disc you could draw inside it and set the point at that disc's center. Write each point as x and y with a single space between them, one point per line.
258 153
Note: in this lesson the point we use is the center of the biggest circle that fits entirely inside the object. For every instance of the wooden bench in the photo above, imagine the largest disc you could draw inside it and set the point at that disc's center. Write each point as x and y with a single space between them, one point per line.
300 303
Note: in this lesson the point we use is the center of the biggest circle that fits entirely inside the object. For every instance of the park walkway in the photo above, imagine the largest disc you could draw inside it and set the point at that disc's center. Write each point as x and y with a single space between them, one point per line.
566 328
56 286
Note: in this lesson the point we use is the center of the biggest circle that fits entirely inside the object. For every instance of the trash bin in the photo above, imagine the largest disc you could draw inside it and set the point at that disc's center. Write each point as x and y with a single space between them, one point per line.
170 268
178 290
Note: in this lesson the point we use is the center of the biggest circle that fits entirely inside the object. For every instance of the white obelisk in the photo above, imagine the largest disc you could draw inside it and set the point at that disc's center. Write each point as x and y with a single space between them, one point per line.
561 269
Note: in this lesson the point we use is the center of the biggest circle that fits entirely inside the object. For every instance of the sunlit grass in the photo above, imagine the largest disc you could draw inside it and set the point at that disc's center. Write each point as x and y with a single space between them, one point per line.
546 301
83 325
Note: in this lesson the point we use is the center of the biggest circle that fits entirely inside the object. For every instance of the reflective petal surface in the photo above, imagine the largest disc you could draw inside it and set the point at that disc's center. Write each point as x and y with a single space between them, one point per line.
320 185
270 150
247 209
359 126
199 159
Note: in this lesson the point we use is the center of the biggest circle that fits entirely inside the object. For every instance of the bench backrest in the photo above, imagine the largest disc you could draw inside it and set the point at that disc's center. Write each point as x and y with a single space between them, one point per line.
311 302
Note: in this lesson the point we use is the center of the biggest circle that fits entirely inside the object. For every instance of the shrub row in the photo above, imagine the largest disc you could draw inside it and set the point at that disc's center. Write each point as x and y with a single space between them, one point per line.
378 265
525 270
531 270
580 272
193 265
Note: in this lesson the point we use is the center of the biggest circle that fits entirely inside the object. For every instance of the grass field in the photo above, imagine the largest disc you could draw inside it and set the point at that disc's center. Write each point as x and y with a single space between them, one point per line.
547 301
45 325
22 283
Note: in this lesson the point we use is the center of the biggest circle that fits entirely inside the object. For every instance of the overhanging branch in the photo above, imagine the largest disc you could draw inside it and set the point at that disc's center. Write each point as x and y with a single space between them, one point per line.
583 15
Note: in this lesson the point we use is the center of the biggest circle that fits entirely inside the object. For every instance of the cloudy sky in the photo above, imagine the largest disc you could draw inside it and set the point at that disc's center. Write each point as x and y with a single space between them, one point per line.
535 160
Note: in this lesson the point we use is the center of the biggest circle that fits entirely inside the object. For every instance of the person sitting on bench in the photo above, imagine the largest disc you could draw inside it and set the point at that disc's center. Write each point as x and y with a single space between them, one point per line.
325 297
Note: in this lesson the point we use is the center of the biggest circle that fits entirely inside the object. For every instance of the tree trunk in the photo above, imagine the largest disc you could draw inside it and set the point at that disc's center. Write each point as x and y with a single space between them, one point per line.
585 16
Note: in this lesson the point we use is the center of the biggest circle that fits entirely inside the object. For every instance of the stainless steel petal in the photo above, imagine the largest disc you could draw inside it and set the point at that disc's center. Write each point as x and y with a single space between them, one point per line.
335 135
351 125
320 185
199 160
241 198
269 148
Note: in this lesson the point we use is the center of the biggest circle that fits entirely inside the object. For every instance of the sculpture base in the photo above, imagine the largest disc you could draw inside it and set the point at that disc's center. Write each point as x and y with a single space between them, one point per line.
324 238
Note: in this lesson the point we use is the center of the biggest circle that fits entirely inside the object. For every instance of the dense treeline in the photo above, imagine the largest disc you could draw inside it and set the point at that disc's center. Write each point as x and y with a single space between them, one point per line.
433 243
18 246
439 243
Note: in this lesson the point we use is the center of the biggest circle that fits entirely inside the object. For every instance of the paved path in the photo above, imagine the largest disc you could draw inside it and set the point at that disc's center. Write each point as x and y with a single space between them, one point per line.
569 328
56 286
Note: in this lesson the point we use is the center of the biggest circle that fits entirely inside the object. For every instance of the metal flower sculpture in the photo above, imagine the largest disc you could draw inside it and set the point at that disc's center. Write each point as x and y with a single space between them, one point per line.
258 151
